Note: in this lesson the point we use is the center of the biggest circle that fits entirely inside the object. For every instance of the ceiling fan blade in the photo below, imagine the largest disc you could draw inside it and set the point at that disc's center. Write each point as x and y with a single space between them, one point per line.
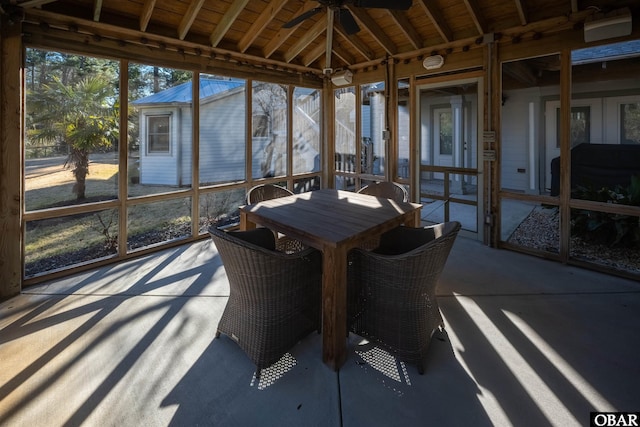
348 23
298 19
385 4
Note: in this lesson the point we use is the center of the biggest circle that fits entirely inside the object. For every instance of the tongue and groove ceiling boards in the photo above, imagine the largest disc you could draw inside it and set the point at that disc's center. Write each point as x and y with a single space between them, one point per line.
293 35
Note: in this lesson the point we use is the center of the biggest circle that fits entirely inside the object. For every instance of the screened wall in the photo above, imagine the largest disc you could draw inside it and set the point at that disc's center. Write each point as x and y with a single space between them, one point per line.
119 158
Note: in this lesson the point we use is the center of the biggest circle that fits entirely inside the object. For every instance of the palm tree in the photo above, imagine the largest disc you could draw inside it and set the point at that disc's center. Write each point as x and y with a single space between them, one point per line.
78 115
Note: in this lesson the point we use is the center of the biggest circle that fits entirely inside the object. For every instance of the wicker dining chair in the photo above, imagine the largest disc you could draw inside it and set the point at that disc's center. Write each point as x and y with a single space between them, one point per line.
262 192
391 290
386 189
274 298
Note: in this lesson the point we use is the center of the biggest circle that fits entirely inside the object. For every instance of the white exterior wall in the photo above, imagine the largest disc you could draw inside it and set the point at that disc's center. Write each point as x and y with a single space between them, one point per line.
159 168
222 143
404 132
517 129
185 153
222 138
377 125
603 98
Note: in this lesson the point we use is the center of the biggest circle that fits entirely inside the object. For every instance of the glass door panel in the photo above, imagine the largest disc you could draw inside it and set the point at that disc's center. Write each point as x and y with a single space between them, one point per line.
530 152
448 159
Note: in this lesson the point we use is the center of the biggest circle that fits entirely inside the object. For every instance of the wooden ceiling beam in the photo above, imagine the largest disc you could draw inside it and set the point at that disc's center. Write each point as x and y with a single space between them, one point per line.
284 33
392 33
34 3
574 6
357 43
227 20
267 15
311 34
374 29
409 30
145 15
127 34
312 55
521 72
189 17
97 8
70 42
522 13
343 54
437 19
476 15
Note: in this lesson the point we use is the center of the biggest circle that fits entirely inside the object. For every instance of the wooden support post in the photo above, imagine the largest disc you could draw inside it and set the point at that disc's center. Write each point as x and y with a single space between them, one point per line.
391 119
328 137
492 168
10 156
565 153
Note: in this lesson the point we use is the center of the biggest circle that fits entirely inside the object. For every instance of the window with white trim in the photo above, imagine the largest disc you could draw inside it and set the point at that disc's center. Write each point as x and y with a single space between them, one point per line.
158 134
630 123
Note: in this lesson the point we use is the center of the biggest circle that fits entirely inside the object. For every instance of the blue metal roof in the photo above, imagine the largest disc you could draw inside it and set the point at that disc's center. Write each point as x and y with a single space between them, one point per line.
610 51
183 92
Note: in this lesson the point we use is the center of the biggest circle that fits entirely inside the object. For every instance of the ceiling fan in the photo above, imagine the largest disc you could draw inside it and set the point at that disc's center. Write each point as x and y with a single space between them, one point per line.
344 15
336 9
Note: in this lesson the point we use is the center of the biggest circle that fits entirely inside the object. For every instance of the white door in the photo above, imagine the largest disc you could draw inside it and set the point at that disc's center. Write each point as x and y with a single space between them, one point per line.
448 135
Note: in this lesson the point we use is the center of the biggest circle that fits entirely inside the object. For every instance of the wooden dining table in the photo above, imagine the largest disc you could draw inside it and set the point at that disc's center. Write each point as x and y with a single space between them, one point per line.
332 221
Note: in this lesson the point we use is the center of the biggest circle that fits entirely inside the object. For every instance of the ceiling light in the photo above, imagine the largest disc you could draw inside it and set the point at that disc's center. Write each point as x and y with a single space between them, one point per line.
433 62
603 26
341 78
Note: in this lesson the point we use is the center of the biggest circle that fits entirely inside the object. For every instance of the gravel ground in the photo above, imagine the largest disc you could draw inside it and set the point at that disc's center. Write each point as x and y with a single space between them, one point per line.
541 230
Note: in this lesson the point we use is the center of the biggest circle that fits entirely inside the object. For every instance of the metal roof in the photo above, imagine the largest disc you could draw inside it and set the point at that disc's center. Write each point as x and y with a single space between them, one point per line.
183 93
606 52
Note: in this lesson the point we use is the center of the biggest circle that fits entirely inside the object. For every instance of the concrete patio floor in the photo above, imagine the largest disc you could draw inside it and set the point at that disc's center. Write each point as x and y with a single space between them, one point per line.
528 342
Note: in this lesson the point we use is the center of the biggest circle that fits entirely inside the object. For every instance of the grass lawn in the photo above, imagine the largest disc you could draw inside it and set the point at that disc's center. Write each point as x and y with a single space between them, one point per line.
63 241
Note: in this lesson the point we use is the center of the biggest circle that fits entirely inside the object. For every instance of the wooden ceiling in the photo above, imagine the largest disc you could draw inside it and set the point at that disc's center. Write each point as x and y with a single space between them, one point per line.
252 30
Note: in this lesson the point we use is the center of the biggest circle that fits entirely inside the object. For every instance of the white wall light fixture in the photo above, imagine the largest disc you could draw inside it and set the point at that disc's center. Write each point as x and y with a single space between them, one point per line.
341 78
433 62
601 26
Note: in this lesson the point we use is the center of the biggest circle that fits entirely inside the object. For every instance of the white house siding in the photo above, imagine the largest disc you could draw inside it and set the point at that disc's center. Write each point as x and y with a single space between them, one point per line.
404 132
603 98
606 96
377 125
159 168
306 132
269 156
185 153
222 135
222 138
516 169
611 108
222 142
